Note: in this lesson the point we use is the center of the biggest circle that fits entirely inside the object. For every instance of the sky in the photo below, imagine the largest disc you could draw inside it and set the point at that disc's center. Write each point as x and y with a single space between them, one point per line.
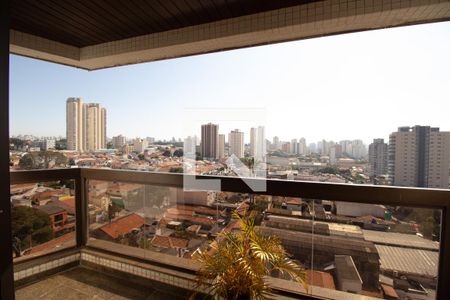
353 86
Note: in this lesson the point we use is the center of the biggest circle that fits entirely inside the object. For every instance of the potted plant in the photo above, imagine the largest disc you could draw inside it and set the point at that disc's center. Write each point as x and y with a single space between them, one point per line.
239 263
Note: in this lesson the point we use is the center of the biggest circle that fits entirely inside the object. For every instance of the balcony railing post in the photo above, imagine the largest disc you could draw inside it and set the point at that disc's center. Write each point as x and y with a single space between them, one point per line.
81 210
6 261
443 290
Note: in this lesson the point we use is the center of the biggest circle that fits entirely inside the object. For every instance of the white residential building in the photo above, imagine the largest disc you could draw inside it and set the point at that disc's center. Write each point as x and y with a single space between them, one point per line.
258 143
85 125
419 156
221 146
236 143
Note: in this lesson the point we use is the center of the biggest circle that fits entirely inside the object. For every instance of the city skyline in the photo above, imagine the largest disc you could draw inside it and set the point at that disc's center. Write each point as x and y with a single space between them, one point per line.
325 97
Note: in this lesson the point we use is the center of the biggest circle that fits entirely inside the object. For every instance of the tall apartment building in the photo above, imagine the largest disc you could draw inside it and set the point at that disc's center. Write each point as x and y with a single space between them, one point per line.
335 153
95 127
75 125
210 140
286 147
419 156
302 148
85 125
359 150
236 143
119 141
294 146
276 145
258 143
346 146
332 155
378 154
253 138
312 148
221 146
189 146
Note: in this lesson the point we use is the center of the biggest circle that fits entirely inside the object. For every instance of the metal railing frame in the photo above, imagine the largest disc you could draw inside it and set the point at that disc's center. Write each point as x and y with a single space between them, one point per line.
385 195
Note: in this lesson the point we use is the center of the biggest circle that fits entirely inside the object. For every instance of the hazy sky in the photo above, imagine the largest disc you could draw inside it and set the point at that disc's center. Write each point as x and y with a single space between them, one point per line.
361 85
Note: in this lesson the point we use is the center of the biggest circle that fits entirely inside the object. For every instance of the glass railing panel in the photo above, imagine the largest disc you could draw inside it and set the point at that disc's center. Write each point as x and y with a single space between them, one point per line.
42 217
362 249
346 249
163 224
116 214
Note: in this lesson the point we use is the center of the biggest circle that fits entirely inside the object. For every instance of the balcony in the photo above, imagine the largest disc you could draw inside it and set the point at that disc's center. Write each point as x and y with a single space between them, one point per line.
134 242
140 243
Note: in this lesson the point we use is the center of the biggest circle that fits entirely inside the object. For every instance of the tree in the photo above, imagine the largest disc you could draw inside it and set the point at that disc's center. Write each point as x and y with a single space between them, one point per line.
249 162
18 143
61 144
166 153
30 227
241 261
42 160
329 170
141 156
178 153
176 170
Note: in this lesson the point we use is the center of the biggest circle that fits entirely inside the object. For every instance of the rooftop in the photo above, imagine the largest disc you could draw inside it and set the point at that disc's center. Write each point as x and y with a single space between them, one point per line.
123 225
408 261
321 279
51 209
400 239
169 242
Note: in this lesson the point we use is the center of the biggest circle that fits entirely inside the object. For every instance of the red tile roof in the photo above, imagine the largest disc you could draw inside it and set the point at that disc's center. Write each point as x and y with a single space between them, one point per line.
198 209
123 225
321 279
177 211
242 208
196 220
70 201
169 242
389 291
53 243
293 201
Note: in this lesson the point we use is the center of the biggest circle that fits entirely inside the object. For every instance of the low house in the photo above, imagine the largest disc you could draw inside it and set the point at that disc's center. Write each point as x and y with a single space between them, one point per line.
120 227
66 202
125 190
292 203
58 217
174 245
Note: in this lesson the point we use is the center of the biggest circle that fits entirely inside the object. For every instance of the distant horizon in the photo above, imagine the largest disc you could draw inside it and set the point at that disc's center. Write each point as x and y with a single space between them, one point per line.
353 86
177 139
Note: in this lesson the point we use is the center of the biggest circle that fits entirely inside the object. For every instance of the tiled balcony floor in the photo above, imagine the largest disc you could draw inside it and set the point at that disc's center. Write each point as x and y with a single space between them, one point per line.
82 283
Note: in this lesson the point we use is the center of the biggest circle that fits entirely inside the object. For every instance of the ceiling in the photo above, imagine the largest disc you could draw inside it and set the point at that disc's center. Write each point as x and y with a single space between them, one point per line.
96 34
82 23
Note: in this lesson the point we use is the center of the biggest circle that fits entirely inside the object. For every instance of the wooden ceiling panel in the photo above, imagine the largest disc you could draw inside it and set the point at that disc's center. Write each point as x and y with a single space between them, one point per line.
83 23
